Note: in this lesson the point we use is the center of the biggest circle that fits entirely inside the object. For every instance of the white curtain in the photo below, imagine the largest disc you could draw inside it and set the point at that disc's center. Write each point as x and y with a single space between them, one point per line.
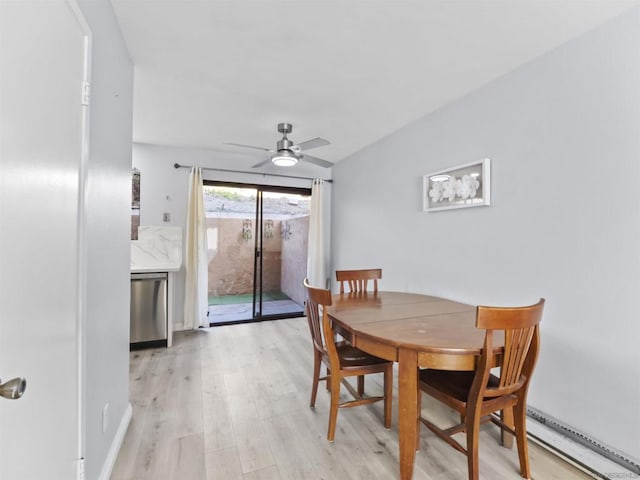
316 257
196 301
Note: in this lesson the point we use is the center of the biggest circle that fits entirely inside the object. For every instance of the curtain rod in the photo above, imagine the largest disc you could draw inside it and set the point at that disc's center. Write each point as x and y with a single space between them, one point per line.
177 165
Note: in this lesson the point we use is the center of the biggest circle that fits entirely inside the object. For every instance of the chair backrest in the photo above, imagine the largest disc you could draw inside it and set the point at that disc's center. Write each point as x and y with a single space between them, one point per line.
358 280
520 326
316 298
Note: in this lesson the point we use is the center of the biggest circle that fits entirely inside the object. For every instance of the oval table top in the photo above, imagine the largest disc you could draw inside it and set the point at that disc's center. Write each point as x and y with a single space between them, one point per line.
423 323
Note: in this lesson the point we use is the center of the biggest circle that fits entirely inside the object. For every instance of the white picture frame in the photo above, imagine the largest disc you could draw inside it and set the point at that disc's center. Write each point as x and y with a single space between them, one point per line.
463 186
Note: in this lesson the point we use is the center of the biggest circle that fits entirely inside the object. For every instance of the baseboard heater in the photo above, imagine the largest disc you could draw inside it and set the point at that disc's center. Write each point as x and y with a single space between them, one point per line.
609 453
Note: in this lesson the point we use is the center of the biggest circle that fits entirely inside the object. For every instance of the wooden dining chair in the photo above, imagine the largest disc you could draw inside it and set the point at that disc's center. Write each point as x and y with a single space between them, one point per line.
342 360
358 280
478 394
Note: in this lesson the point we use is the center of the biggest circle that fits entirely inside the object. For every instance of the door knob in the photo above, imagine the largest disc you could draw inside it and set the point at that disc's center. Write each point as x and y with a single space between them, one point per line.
13 389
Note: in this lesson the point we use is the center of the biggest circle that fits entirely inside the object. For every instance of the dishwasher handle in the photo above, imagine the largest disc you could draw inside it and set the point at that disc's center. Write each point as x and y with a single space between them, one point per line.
148 276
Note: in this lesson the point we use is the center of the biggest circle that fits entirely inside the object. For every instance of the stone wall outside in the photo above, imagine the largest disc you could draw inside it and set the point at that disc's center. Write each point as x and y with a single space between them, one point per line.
294 259
231 257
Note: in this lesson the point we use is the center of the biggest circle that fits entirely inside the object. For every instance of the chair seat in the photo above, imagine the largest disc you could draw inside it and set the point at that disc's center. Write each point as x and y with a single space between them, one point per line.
453 384
351 356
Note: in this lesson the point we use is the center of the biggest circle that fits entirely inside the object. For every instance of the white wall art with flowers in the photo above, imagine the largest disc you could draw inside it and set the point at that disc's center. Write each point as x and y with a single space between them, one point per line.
458 187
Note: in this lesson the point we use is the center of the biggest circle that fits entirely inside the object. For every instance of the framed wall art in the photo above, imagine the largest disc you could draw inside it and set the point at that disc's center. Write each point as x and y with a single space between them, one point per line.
458 187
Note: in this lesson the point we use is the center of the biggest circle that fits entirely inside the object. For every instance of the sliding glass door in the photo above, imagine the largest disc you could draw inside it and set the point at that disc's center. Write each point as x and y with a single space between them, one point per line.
257 244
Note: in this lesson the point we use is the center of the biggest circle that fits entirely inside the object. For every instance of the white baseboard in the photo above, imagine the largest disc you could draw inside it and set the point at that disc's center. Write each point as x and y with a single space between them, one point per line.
573 452
110 461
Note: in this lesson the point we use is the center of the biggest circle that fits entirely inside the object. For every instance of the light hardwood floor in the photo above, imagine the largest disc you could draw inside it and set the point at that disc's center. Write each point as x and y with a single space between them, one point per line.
232 403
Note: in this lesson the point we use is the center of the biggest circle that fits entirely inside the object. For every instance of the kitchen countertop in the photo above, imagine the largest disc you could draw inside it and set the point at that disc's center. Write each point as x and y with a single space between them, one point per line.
158 249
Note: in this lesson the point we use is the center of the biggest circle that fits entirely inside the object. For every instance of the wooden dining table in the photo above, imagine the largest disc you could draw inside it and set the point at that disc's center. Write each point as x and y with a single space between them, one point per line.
417 331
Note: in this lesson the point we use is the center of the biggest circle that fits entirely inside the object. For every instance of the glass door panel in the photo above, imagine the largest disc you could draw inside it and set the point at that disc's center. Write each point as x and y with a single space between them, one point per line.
285 223
230 216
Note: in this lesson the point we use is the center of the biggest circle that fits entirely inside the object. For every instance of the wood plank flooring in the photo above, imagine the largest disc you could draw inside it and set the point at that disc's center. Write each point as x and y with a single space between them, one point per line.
232 403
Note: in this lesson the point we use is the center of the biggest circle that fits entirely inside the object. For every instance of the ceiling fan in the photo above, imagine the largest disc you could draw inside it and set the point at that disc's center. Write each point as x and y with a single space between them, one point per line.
287 153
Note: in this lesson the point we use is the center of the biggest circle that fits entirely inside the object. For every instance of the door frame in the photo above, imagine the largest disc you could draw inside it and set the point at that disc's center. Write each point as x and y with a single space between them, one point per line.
82 243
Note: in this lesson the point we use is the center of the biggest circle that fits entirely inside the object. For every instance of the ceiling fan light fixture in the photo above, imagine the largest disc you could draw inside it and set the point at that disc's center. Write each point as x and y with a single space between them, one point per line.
284 159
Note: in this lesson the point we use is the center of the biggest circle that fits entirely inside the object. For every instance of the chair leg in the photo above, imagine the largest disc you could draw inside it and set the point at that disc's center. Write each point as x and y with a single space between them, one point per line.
473 433
388 395
328 383
317 364
333 410
361 385
520 421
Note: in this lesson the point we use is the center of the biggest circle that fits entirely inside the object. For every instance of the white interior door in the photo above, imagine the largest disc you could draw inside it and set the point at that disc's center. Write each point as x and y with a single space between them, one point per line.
42 67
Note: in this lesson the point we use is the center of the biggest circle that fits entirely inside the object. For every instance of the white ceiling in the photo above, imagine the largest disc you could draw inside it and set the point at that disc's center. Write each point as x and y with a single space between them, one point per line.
350 71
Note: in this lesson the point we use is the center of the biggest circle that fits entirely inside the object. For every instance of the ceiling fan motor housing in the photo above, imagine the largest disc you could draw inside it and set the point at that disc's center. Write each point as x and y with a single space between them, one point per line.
284 144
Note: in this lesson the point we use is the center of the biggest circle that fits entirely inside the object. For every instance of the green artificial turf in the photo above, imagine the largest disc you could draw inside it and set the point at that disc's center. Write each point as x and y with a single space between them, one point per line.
246 298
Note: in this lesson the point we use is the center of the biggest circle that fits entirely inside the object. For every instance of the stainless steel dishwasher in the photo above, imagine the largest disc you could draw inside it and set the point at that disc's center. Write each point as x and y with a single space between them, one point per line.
148 310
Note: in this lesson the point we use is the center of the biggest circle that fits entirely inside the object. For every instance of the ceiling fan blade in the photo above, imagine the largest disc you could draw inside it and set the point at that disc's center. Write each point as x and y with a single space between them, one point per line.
247 146
264 162
316 161
313 143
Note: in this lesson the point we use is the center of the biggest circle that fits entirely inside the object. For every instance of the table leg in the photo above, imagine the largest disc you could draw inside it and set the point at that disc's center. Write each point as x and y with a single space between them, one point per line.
407 410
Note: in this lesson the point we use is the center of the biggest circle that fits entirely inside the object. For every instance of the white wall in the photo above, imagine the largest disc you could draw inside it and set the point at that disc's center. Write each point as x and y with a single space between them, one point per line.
107 233
563 134
165 189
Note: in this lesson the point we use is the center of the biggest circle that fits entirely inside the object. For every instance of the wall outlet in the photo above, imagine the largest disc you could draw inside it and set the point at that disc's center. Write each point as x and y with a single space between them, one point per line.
166 217
105 417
